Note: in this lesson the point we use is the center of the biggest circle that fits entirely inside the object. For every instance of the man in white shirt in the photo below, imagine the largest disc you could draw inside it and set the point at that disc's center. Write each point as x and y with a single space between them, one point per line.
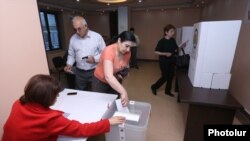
133 61
85 48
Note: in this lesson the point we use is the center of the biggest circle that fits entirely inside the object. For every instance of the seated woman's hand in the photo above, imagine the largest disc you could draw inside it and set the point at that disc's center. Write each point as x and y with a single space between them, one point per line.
117 120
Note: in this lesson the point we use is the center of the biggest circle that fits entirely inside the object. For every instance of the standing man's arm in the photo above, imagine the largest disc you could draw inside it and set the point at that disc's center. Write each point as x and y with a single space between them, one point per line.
70 59
100 48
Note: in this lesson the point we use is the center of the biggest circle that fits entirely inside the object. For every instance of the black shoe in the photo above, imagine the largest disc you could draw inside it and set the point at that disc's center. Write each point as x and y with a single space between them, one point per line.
153 90
170 94
136 67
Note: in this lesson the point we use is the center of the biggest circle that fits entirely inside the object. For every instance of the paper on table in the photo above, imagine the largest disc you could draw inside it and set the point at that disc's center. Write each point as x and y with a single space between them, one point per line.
183 43
119 106
128 116
66 114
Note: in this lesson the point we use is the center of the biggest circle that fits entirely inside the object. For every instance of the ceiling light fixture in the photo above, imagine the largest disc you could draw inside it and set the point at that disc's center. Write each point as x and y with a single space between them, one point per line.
112 1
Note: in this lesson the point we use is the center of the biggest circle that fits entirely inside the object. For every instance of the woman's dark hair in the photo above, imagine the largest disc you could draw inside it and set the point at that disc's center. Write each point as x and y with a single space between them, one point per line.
41 89
124 36
167 28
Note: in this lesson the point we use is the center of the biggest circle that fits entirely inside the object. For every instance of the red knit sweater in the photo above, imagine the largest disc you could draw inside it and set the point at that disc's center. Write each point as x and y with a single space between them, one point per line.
35 123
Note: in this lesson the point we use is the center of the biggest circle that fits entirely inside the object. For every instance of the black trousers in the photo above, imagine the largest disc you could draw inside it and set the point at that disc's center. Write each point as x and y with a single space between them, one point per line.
83 79
167 67
133 61
99 86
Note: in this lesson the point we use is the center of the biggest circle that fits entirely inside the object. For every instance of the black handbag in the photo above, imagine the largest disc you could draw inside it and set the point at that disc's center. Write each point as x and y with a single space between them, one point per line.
123 73
182 61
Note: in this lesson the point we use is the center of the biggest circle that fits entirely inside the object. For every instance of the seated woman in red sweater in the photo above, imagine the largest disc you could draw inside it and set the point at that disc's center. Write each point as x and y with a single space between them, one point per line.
32 119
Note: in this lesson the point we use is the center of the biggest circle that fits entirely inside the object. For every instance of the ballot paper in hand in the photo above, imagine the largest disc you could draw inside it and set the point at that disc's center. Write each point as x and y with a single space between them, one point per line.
128 116
124 111
183 43
120 108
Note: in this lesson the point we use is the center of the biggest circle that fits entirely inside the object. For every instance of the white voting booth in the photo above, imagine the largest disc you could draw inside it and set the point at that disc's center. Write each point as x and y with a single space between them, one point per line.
214 45
184 34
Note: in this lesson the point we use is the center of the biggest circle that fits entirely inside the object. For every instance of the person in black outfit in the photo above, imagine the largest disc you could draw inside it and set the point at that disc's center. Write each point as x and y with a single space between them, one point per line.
133 50
166 49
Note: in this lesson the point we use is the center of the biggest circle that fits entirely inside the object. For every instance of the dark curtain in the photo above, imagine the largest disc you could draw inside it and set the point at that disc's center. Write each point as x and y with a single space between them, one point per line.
113 23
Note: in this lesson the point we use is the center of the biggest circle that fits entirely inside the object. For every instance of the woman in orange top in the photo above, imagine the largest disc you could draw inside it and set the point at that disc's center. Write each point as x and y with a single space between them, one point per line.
31 119
114 59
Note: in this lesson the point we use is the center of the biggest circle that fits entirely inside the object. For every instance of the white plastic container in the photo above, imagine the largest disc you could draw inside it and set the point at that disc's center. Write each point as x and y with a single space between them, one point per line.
131 131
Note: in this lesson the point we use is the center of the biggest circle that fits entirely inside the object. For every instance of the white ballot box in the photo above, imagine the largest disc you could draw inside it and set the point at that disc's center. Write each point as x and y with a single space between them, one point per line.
132 129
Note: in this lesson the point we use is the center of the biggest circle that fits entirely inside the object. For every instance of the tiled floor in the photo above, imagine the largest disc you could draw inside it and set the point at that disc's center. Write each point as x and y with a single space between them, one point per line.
167 115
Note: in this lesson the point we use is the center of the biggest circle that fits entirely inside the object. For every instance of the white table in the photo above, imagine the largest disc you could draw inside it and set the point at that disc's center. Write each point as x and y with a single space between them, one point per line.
84 107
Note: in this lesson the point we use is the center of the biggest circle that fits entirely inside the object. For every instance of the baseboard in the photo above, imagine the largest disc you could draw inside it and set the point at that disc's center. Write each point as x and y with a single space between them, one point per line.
147 60
243 116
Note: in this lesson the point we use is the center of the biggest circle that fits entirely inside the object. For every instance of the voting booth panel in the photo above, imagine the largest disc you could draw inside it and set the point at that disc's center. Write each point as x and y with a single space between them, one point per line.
214 45
132 130
185 34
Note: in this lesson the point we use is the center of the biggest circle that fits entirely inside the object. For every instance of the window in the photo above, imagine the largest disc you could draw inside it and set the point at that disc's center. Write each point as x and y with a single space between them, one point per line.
50 30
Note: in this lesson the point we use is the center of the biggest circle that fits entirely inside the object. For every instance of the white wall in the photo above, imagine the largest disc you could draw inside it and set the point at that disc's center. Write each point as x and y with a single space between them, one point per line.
22 53
150 27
